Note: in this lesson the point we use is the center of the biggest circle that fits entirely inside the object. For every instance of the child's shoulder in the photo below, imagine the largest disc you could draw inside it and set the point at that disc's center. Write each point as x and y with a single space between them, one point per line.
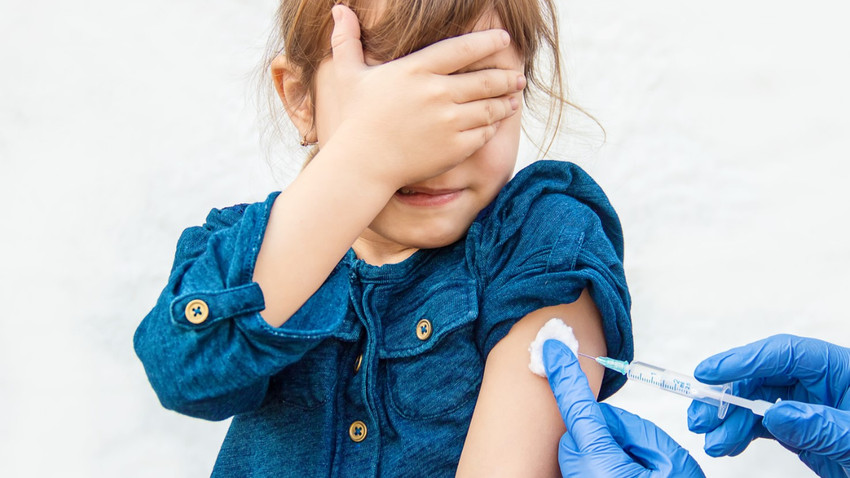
225 217
546 198
236 227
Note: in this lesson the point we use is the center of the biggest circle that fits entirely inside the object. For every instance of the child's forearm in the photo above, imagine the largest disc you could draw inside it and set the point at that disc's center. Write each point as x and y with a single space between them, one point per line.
311 226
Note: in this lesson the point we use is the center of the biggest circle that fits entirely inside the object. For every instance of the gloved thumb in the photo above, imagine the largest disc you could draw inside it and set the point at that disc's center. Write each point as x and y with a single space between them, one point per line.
650 445
345 40
581 413
811 429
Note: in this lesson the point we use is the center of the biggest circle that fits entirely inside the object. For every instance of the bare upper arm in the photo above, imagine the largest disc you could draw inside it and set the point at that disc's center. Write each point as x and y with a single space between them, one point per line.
516 425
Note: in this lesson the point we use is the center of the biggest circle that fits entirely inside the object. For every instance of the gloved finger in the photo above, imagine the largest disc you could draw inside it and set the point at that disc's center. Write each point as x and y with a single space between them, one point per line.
569 458
572 462
649 445
822 466
603 463
576 401
730 438
702 417
781 355
814 429
771 390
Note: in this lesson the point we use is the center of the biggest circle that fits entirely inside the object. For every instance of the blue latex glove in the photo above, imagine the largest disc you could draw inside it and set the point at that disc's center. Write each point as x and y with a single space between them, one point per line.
605 441
811 377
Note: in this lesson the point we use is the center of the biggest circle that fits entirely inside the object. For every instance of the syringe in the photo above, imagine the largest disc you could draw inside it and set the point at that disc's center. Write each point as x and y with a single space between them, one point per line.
717 395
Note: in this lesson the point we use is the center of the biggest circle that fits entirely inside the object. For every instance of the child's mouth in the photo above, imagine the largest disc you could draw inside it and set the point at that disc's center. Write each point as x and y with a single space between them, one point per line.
427 197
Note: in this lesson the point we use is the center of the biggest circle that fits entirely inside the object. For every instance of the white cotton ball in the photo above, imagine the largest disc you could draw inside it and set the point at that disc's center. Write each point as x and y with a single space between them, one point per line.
553 329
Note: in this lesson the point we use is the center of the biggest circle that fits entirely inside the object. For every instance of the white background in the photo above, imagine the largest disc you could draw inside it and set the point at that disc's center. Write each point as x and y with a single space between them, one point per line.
121 123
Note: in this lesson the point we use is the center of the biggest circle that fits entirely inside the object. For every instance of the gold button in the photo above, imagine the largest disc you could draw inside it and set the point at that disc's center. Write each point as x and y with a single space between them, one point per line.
357 362
423 329
197 311
357 431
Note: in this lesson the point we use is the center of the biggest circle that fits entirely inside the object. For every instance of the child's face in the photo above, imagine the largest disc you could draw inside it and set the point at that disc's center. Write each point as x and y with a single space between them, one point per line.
420 221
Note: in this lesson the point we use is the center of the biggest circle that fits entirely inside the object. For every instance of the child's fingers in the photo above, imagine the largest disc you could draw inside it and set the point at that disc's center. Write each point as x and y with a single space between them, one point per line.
490 83
478 121
483 112
345 40
472 140
450 55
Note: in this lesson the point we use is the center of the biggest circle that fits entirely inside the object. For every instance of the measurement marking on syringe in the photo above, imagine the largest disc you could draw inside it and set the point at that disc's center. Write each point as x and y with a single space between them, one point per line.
676 386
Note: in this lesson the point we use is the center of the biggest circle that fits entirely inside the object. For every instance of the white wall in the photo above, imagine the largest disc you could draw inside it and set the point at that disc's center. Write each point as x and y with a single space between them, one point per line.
123 123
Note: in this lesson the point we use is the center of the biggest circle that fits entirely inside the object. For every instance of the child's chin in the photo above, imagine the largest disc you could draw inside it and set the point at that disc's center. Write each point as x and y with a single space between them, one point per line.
433 239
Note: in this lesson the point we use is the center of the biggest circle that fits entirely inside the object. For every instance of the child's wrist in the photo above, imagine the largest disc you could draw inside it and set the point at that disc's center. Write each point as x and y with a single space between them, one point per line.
359 164
363 160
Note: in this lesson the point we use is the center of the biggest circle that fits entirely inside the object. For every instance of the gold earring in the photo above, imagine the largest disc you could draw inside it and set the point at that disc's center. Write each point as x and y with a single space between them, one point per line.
305 142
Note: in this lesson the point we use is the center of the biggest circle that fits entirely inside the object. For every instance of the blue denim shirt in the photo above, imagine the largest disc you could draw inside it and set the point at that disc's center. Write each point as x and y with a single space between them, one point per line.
356 383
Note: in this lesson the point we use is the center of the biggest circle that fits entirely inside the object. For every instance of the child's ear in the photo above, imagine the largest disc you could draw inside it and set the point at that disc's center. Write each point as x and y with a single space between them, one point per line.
295 96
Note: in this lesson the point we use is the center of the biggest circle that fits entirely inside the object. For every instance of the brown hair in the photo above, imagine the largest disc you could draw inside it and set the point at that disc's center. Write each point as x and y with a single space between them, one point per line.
304 28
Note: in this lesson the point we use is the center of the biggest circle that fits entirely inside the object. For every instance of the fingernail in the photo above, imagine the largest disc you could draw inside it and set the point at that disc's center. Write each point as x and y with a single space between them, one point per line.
514 102
505 37
520 82
336 11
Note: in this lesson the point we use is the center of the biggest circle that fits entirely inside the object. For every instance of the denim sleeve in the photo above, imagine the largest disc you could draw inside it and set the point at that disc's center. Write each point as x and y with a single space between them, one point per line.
221 366
549 235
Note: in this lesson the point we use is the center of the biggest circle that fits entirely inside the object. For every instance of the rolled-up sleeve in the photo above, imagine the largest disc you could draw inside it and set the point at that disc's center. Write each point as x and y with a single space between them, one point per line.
550 235
206 350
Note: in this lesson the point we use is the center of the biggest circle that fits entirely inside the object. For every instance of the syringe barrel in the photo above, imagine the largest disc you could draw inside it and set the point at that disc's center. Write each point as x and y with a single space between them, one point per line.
679 384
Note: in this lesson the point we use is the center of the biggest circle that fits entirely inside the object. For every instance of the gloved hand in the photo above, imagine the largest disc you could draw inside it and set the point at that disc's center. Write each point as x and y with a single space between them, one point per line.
811 377
605 441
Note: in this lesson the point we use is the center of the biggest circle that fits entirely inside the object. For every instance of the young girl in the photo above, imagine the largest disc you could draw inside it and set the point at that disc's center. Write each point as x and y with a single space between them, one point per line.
374 318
